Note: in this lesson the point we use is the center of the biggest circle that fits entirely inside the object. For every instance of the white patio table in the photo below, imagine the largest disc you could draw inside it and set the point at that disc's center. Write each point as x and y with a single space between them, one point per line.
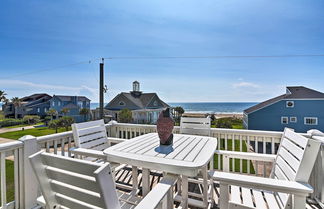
186 157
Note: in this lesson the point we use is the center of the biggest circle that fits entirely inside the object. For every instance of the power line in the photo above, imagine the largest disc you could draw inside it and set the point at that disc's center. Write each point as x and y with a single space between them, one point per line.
220 57
49 69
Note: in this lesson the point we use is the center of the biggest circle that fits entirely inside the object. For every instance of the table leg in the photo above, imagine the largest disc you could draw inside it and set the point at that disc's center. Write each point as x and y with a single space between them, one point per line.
135 178
205 185
145 181
184 192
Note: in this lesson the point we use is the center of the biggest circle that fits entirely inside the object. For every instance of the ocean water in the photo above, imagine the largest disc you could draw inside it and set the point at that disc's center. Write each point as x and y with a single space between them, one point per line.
208 107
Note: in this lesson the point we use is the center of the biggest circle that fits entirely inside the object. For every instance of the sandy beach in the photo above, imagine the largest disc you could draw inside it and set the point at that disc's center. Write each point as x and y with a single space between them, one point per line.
217 115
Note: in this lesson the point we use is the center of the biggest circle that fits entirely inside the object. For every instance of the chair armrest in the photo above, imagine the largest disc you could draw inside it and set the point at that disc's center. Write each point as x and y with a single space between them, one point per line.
158 193
275 185
247 155
115 140
89 153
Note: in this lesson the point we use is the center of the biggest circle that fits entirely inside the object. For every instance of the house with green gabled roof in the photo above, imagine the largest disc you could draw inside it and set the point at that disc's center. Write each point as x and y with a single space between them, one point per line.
145 107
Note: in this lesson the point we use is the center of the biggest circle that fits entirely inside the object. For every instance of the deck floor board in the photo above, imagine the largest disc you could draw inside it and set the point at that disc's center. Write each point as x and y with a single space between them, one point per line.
124 176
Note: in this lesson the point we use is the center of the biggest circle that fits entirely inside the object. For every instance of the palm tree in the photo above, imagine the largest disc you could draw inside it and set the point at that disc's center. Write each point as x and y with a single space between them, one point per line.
65 111
52 113
84 112
16 103
3 96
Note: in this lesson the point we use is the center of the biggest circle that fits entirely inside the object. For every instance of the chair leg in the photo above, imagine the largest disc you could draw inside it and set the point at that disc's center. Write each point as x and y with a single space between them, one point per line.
224 196
145 181
298 202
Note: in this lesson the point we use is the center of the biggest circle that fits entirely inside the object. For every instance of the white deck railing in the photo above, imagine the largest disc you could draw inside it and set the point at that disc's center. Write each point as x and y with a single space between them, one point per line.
26 188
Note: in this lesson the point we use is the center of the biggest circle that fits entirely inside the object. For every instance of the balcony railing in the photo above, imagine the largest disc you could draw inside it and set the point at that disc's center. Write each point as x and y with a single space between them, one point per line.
25 184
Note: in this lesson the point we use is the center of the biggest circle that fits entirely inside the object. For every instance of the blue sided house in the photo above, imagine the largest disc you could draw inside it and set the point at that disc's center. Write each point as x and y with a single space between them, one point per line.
300 108
73 103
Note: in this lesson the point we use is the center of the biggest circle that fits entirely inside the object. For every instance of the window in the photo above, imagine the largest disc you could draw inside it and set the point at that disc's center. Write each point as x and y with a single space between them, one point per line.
59 103
290 104
53 103
284 120
45 109
155 103
310 120
121 103
293 119
38 109
80 104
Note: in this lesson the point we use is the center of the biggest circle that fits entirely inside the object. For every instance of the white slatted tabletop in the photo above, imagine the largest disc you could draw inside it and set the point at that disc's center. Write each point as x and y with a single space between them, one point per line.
188 154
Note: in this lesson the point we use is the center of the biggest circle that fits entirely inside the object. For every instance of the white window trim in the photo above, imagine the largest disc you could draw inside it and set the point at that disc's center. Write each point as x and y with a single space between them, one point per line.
315 124
285 118
290 106
291 120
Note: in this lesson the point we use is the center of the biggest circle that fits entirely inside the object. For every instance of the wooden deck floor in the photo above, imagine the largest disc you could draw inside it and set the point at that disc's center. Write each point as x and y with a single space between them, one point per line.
125 177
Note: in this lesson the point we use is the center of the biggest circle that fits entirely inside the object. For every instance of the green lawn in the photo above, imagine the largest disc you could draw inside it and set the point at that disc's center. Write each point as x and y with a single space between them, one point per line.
34 132
10 181
237 161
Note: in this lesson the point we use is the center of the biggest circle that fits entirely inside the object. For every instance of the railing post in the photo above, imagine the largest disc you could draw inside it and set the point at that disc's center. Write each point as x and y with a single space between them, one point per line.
226 163
112 128
318 170
29 181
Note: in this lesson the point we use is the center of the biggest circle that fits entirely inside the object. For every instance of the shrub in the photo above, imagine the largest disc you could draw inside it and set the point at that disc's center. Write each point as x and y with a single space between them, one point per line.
125 116
31 119
10 122
47 119
55 124
228 122
66 121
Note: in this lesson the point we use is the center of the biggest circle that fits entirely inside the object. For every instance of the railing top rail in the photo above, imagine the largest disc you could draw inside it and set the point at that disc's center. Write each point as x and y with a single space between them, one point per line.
224 130
10 145
54 136
247 132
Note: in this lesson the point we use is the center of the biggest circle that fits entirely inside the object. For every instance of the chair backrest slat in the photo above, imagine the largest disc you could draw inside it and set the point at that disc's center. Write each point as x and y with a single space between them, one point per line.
64 163
90 135
195 126
73 179
294 162
77 193
74 183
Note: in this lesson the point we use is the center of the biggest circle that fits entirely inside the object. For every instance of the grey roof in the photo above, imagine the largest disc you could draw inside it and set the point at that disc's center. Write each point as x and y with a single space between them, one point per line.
141 101
293 92
64 98
35 96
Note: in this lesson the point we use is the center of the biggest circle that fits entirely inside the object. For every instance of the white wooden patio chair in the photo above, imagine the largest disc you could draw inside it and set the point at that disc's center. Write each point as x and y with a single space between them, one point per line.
200 127
195 126
91 139
285 188
79 184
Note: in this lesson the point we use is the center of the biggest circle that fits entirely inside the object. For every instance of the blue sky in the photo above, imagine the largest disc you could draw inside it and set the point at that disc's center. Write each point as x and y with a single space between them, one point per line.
37 35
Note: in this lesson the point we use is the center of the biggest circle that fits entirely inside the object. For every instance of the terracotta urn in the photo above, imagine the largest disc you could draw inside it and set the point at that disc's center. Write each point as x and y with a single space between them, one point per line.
165 124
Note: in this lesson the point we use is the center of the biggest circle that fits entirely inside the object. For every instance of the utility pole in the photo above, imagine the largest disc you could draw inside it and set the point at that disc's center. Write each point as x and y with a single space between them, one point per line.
101 90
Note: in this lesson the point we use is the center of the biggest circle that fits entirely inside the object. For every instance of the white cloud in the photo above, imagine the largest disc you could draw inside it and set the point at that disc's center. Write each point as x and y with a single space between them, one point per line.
245 85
